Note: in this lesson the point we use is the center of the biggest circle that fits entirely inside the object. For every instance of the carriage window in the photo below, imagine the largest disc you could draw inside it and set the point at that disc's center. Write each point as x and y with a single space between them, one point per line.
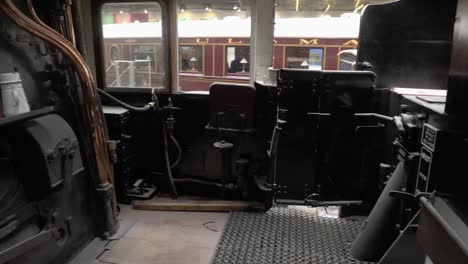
304 58
214 43
238 59
331 26
133 50
191 59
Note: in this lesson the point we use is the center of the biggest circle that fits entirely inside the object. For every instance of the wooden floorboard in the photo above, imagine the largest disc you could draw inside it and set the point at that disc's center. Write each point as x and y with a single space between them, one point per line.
195 205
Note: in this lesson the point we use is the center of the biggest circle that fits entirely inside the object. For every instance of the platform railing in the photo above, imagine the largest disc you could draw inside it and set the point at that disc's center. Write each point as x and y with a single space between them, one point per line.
130 68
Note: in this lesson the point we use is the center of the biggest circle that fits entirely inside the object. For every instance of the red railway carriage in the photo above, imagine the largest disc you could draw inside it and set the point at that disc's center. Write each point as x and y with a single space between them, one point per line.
134 55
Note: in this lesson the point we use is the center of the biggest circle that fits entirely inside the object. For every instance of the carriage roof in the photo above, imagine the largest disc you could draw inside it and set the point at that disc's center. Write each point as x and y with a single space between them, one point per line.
335 27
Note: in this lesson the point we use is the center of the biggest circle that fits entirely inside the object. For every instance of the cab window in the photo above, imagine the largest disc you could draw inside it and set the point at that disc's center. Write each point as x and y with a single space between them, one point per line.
133 45
214 43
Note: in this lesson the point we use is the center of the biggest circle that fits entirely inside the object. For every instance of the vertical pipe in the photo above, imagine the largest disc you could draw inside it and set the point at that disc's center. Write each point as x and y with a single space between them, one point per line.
149 73
131 81
69 22
117 73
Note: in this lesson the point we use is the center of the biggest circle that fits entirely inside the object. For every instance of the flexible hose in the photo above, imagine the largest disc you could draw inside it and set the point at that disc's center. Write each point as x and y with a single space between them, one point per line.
168 162
179 150
145 108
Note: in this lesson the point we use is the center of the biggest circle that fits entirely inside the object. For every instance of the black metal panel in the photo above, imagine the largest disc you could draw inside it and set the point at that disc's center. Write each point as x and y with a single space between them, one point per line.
26 210
458 81
296 163
120 127
44 223
325 149
408 42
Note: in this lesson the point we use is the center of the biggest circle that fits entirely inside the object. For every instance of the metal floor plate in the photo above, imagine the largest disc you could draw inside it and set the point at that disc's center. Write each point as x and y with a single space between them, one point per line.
286 235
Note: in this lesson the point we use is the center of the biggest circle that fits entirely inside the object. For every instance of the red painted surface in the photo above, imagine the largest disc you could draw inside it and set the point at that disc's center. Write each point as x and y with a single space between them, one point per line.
219 64
278 57
215 68
312 41
331 59
208 67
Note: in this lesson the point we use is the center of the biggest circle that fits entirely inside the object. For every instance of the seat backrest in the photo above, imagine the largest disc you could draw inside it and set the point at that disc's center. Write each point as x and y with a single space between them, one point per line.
232 106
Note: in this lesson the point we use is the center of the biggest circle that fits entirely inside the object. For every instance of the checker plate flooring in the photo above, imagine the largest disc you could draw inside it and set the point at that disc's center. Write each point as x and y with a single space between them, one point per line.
286 235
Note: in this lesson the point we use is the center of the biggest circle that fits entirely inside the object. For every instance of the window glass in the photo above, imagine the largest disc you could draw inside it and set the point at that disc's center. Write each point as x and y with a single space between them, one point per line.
133 50
191 59
214 43
311 34
238 59
304 58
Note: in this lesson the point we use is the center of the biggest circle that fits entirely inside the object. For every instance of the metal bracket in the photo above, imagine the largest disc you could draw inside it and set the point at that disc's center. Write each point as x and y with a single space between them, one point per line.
112 146
66 150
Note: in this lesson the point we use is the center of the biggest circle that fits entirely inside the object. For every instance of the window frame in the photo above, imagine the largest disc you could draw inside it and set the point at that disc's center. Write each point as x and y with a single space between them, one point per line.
100 50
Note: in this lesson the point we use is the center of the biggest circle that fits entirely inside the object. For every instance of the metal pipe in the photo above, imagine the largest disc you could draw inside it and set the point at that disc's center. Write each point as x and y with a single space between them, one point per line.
131 78
179 150
168 162
69 22
145 108
92 105
149 73
379 116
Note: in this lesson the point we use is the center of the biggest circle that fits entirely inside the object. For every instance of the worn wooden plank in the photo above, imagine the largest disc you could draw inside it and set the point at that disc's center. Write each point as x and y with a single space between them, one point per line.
195 205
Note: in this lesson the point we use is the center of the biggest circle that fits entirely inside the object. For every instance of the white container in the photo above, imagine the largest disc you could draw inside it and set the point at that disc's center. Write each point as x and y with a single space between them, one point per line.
14 100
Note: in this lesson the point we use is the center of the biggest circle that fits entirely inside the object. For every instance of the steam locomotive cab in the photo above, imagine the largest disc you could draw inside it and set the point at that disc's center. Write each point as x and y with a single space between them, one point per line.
237 131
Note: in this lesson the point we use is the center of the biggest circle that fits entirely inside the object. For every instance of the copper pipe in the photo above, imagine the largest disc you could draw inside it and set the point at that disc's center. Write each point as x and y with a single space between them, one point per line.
81 62
69 18
42 24
93 105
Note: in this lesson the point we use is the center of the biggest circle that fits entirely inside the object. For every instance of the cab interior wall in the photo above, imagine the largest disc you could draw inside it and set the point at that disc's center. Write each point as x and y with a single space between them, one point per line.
419 42
420 57
46 83
429 48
